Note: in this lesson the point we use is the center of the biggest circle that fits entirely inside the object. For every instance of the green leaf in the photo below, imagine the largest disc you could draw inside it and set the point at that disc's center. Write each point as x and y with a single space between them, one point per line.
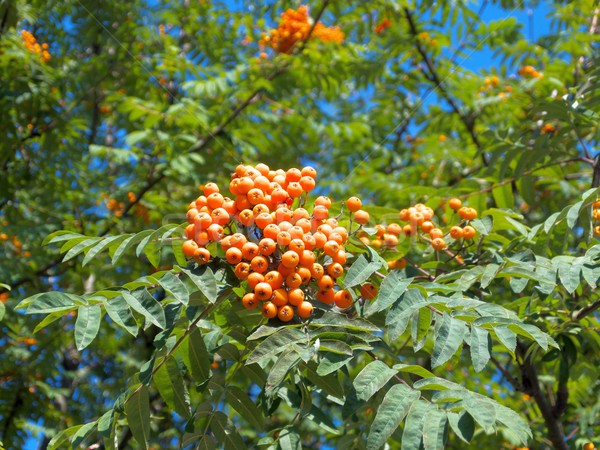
391 412
360 271
80 247
330 362
3 311
60 440
226 434
507 337
205 280
141 301
118 310
61 235
462 424
413 428
173 285
195 356
87 325
330 384
275 344
481 344
288 440
448 339
280 369
240 401
99 247
129 242
414 369
392 287
83 433
503 196
137 409
170 385
482 410
372 378
49 302
514 423
434 429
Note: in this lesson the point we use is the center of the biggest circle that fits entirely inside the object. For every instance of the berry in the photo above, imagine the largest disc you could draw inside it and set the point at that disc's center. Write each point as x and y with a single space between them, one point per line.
353 204
368 291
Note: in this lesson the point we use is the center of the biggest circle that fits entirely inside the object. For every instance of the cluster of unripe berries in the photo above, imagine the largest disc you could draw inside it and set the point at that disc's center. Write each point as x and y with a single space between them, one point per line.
418 222
33 46
295 27
284 254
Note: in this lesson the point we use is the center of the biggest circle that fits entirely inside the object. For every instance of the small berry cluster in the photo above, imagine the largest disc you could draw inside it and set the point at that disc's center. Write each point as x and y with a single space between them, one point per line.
529 72
33 46
285 254
419 224
596 217
295 27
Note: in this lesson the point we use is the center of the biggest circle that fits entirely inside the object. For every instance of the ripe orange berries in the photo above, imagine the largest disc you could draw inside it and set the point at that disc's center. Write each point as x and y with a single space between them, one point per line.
438 244
368 291
467 213
469 232
361 217
455 204
353 204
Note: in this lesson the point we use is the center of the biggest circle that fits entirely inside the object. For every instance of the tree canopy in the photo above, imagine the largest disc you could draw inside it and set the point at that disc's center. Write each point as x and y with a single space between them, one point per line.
420 178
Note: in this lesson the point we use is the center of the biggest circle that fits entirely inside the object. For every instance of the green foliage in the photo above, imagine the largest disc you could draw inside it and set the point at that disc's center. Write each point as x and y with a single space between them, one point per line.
111 337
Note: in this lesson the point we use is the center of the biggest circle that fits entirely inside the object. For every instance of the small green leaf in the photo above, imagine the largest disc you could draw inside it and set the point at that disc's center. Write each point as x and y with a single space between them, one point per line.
100 246
87 325
141 301
481 344
49 302
448 339
137 409
462 424
118 310
391 412
205 280
240 401
372 378
413 427
360 271
171 387
392 287
195 356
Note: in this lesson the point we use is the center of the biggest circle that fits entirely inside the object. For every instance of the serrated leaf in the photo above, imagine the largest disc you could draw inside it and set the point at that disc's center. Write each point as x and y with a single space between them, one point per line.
99 247
434 429
391 412
195 356
288 440
448 340
129 242
226 434
413 428
80 247
170 385
141 301
507 337
118 310
175 287
49 302
83 433
246 408
371 379
360 271
59 440
87 325
482 410
462 424
205 280
480 344
330 362
137 410
275 344
61 235
392 287
280 369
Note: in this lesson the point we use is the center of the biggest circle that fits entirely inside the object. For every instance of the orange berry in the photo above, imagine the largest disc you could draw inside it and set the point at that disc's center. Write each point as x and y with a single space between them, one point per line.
233 255
214 200
249 301
456 232
263 291
308 171
589 446
353 204
307 184
202 255
320 212
326 296
294 189
254 278
390 240
242 270
285 271
268 310
295 296
427 226
455 204
210 188
189 247
317 271
189 232
343 299
305 309
263 219
271 231
326 282
246 217
244 185
361 217
335 270
340 257
368 291
290 259
307 258
274 278
467 213
293 280
469 232
403 214
284 238
438 244
436 233
280 297
297 245
331 248
285 313
267 246
323 201
219 216
259 264
215 232
191 214
249 251
304 273
237 240
408 230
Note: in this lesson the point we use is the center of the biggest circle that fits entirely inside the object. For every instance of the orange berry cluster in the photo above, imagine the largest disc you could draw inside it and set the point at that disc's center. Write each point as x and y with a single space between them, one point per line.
33 46
381 26
285 254
548 128
529 71
295 27
596 217
418 220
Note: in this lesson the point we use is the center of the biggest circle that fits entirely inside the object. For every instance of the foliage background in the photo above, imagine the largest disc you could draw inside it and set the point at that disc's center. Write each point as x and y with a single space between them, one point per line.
156 98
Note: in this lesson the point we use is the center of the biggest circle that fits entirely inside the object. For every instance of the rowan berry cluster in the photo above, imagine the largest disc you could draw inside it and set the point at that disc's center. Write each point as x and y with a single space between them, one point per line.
285 255
596 217
295 27
530 72
418 223
33 46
